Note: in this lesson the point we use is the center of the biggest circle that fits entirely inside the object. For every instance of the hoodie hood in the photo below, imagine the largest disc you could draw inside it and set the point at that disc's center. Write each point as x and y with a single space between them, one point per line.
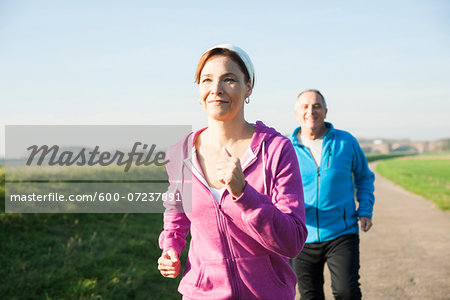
262 133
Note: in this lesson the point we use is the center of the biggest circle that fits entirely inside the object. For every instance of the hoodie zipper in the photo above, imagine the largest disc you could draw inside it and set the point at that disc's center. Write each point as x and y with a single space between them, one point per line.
227 242
224 236
230 262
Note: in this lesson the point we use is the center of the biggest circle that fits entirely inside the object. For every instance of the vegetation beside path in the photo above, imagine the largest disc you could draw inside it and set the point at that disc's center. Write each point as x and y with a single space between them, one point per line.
114 256
81 256
425 175
377 156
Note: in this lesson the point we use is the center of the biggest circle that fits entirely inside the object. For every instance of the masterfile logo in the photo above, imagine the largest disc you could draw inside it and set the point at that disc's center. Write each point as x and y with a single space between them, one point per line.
68 168
94 157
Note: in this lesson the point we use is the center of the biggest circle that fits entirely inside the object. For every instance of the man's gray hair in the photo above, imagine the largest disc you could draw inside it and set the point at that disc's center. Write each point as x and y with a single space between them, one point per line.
314 91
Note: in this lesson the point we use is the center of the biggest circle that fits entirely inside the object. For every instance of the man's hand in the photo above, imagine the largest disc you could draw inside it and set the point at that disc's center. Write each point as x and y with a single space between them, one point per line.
169 264
366 223
229 173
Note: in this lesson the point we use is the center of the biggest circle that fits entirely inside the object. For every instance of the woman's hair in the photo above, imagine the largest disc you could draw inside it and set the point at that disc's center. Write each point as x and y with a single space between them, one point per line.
224 52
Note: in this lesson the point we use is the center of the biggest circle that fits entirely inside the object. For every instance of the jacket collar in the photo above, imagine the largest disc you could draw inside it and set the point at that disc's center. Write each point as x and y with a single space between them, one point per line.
328 135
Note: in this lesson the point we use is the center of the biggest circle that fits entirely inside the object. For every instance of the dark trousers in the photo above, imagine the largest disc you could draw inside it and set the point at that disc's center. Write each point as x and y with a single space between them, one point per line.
342 257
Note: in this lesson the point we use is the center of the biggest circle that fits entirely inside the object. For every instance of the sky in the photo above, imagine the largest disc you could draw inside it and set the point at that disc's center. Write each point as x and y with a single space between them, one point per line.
383 66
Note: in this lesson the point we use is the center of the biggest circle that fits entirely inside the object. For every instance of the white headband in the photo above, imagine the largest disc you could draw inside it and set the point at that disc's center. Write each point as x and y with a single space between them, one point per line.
243 55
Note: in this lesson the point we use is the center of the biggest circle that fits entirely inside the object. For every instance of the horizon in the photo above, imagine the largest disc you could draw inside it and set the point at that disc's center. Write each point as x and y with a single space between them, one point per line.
3 158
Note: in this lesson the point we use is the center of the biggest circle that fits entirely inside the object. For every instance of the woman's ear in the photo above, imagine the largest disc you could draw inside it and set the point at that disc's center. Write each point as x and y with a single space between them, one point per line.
249 89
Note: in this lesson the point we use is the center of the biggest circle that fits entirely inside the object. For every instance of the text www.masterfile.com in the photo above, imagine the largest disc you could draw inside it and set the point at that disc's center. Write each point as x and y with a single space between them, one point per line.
102 197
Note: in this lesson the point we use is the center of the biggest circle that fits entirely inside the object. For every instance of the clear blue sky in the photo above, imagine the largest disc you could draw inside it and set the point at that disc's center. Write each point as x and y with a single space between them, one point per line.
384 66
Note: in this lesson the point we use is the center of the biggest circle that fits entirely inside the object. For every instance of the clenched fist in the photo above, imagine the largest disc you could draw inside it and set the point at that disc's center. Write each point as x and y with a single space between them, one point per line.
169 264
229 173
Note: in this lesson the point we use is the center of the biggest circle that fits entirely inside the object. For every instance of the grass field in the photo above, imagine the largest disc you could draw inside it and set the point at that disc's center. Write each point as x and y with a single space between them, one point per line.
376 156
114 256
81 256
427 176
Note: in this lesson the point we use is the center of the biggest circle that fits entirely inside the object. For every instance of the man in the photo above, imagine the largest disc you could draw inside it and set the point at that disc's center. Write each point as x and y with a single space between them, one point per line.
332 166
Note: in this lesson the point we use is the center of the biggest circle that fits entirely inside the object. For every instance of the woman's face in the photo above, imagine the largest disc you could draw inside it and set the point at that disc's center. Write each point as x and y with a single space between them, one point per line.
222 88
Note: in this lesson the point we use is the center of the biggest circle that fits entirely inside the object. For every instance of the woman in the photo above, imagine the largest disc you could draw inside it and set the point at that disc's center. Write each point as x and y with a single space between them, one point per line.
247 216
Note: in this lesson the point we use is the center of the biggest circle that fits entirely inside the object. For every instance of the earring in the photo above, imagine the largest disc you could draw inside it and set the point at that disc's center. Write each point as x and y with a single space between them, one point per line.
247 101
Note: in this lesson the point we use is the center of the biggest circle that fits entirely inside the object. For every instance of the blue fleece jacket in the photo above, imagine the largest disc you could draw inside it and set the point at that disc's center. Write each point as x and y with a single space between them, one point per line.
329 189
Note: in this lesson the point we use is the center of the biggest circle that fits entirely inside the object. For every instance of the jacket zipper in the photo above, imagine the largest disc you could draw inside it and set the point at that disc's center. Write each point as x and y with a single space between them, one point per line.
329 154
318 190
318 185
317 204
317 209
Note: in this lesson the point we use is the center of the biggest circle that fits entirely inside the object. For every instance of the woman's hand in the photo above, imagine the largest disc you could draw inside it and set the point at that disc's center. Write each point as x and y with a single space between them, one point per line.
169 264
229 173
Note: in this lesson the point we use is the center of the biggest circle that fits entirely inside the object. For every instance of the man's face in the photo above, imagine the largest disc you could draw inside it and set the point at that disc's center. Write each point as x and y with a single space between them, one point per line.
310 111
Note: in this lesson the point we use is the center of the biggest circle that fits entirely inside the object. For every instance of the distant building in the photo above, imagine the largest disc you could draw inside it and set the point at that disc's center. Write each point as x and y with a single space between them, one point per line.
388 146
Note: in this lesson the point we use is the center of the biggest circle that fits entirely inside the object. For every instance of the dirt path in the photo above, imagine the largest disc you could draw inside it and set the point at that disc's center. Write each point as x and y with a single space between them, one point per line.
406 255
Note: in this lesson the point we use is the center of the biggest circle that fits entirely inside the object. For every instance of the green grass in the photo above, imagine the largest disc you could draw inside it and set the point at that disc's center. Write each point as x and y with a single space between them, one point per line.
374 157
438 154
81 256
427 176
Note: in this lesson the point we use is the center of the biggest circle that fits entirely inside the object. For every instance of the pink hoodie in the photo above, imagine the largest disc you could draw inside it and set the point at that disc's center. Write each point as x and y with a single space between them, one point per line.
240 247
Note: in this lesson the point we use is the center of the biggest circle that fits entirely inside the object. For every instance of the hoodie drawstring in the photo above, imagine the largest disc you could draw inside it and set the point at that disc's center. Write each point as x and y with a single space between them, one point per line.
264 166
